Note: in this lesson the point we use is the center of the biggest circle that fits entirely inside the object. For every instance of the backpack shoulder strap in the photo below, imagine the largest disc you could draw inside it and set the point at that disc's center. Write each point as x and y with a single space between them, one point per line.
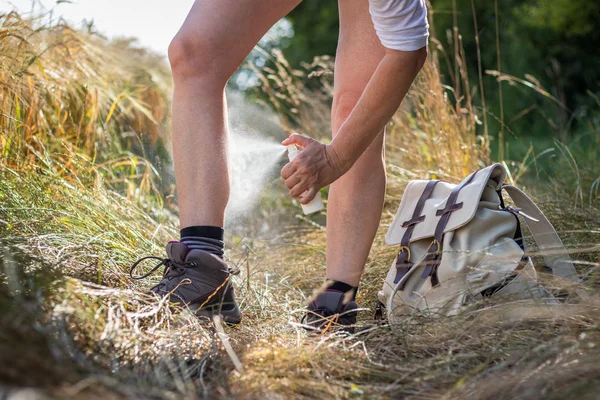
548 241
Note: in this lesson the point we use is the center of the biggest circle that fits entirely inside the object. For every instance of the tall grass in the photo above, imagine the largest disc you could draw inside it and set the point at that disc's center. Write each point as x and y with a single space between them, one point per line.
66 97
429 133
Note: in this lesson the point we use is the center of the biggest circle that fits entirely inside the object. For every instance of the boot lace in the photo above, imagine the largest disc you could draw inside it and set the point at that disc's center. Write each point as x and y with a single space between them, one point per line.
171 269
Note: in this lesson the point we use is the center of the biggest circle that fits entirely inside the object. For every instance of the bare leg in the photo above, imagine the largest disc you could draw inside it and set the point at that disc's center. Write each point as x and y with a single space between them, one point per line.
356 199
214 40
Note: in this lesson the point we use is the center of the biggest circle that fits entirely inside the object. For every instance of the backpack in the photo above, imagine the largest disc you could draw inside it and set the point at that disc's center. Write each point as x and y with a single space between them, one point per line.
460 244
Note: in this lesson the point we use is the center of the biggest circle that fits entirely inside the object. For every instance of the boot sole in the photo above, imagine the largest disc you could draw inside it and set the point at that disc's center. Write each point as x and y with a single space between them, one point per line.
224 305
233 316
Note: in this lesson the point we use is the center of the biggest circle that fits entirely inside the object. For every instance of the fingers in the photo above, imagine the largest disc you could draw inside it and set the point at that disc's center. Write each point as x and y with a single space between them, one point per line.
288 170
297 139
299 188
296 174
308 196
292 181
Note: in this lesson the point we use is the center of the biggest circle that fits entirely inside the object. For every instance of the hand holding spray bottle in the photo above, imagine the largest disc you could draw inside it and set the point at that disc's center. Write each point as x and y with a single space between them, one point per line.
315 204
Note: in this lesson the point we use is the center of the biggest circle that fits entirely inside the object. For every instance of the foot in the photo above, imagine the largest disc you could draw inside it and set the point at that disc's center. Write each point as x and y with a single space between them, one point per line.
331 311
197 280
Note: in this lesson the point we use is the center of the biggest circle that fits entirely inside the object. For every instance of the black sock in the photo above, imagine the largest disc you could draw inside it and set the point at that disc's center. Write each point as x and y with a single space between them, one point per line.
205 238
343 287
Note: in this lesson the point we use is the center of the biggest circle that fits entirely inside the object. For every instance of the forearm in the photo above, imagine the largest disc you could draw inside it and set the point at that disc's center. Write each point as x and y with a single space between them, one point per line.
380 100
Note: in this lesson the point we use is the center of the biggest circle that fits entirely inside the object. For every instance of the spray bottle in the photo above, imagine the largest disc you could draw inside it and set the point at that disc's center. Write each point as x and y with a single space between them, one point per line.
315 204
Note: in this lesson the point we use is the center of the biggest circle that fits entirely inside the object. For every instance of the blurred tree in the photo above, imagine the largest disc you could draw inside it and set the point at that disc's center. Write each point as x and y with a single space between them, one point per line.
547 42
550 43
316 28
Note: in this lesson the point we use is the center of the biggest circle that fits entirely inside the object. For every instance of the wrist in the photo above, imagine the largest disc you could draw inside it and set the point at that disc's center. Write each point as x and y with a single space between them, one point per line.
340 156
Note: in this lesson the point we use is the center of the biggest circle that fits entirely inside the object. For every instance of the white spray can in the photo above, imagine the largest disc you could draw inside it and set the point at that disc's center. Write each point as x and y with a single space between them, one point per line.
315 204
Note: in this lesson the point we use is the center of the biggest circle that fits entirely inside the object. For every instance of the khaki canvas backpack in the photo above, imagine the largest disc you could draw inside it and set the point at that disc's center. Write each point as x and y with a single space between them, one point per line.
460 244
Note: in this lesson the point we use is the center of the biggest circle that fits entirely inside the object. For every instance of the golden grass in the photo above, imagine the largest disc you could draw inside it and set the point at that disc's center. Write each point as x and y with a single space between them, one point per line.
66 98
72 325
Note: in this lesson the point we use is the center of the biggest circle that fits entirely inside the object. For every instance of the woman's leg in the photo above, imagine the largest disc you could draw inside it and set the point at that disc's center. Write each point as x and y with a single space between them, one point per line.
356 199
213 41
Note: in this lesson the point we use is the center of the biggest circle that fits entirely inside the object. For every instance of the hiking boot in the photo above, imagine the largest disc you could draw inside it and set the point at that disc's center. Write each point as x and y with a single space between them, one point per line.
195 279
330 311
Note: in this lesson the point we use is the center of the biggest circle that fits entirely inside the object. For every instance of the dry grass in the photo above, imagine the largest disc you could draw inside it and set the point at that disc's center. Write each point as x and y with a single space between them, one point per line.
72 325
67 98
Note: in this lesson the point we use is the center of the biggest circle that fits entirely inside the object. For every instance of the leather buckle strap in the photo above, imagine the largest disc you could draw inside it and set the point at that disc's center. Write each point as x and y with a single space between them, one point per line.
432 259
403 264
413 221
407 250
450 208
432 262
403 260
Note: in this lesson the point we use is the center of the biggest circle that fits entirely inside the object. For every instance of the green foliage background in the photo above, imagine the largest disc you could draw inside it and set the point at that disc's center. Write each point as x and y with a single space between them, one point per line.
553 42
316 27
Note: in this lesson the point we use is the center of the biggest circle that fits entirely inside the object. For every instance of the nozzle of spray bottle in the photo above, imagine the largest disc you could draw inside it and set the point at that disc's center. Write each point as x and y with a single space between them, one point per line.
315 204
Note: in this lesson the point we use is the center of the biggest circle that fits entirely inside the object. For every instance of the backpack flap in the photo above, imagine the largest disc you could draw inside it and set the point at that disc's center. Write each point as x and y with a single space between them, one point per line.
461 211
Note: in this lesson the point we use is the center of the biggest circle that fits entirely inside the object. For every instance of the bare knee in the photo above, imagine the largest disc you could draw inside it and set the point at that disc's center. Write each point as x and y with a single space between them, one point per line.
193 57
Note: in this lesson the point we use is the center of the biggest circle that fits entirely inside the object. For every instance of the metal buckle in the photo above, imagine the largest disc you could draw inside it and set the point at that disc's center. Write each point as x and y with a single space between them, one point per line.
402 249
437 246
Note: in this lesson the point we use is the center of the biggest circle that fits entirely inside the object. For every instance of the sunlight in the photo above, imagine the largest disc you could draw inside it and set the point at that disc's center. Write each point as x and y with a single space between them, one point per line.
153 22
